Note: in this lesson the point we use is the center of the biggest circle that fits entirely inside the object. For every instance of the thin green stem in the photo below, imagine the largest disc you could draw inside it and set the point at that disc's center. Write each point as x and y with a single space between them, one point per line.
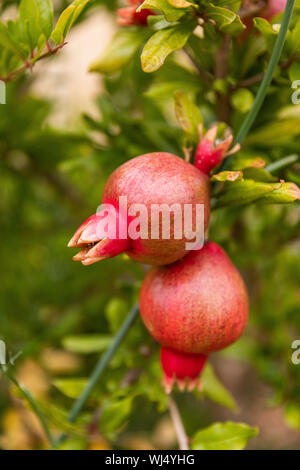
99 369
259 99
35 408
283 162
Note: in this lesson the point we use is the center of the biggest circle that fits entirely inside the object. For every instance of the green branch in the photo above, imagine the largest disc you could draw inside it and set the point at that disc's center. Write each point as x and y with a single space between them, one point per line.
99 369
34 406
259 99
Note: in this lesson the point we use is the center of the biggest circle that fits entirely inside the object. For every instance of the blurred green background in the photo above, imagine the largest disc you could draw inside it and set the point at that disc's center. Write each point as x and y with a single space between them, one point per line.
60 316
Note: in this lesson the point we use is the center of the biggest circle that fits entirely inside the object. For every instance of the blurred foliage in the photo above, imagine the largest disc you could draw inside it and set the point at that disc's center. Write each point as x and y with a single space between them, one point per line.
60 315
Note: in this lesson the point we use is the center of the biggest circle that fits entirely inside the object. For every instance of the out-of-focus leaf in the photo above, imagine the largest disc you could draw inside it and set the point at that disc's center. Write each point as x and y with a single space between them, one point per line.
287 193
170 13
259 174
243 192
294 71
275 133
188 115
67 19
227 21
241 162
223 436
292 415
71 387
242 100
215 390
114 414
122 48
228 176
163 43
87 344
180 3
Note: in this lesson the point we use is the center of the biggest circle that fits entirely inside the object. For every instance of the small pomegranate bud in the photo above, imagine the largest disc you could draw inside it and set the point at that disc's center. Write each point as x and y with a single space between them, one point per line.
209 155
181 368
129 16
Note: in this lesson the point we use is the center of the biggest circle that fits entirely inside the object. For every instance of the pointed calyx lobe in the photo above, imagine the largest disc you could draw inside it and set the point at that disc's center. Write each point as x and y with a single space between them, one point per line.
209 152
182 369
94 239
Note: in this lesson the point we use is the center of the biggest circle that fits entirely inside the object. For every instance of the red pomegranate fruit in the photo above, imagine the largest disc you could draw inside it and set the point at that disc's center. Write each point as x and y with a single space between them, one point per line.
273 8
129 16
153 181
193 307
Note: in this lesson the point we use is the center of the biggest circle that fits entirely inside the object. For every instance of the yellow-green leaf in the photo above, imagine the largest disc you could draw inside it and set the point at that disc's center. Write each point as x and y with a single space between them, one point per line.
224 436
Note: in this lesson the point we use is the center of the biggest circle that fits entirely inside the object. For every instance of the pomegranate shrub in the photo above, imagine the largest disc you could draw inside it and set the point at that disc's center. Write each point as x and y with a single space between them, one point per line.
196 118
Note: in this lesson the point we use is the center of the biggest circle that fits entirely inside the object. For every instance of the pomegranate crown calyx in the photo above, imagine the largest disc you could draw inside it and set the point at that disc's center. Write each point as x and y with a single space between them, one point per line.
209 152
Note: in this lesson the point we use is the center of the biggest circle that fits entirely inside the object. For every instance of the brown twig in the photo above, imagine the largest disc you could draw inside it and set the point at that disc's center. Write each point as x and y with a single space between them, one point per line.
259 77
178 425
206 76
221 72
30 64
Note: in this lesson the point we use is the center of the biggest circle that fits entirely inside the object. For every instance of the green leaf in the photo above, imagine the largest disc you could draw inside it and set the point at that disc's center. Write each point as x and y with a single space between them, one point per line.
242 100
188 115
223 436
294 39
180 3
292 415
215 390
275 133
241 162
70 387
226 20
294 71
87 344
264 27
163 43
67 19
229 176
287 193
259 174
120 51
36 18
115 414
243 192
171 14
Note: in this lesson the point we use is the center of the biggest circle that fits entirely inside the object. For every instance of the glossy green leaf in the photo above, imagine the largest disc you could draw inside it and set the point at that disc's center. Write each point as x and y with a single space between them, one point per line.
215 390
120 51
66 20
36 17
259 174
223 436
163 43
180 3
287 193
241 162
188 115
243 192
170 13
226 20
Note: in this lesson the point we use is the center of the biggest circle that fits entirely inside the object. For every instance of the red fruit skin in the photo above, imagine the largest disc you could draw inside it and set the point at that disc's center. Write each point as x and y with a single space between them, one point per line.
181 365
129 16
159 178
273 8
197 305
